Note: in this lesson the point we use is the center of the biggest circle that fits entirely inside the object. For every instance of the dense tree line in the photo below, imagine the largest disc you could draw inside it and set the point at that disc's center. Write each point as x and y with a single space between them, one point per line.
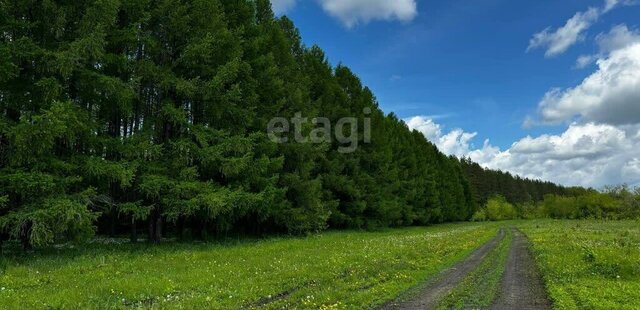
487 183
150 116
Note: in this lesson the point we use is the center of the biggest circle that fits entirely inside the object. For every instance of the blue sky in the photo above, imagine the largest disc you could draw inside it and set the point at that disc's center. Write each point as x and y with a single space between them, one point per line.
474 66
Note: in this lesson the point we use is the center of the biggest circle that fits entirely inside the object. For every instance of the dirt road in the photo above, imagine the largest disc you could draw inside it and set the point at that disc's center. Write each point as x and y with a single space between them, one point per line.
521 287
428 296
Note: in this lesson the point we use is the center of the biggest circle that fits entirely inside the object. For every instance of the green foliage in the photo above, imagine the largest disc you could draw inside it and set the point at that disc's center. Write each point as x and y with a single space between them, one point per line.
160 108
43 222
496 209
618 203
612 203
480 215
516 190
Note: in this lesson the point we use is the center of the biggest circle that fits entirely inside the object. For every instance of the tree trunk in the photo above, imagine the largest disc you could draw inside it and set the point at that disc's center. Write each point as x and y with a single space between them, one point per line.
155 227
158 232
113 218
24 236
150 231
180 228
134 231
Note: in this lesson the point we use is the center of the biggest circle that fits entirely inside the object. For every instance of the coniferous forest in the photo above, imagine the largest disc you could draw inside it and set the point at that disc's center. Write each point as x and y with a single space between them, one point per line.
148 118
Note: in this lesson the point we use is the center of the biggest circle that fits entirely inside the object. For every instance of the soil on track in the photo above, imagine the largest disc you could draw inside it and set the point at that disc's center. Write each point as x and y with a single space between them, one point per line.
428 296
522 287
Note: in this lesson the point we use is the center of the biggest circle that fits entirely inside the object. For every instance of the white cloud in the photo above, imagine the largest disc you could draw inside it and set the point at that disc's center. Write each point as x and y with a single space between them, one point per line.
558 41
354 12
601 145
610 95
631 171
585 60
585 154
617 38
456 142
611 4
282 6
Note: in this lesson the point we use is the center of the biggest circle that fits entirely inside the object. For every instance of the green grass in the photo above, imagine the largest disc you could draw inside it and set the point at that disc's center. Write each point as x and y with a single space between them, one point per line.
479 288
333 270
588 264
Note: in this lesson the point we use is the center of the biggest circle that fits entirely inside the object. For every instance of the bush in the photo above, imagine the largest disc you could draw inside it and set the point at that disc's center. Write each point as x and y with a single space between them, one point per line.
479 216
613 203
496 209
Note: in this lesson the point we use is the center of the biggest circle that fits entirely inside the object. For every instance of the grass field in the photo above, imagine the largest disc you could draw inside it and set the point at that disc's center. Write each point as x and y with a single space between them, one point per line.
588 264
585 265
334 270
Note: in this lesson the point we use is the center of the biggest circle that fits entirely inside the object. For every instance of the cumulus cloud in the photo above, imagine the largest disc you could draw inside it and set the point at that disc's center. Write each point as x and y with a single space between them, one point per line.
602 143
618 37
456 142
282 6
585 154
354 12
558 41
610 95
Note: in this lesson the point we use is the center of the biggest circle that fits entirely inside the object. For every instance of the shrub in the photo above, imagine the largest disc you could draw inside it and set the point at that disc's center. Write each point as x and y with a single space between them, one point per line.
497 209
479 216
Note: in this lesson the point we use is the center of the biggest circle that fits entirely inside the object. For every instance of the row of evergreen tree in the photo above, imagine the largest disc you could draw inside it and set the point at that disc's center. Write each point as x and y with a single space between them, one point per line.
150 116
488 183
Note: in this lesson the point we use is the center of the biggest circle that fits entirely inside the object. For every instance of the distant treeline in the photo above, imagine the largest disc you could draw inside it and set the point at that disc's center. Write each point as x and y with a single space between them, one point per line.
487 183
613 204
150 117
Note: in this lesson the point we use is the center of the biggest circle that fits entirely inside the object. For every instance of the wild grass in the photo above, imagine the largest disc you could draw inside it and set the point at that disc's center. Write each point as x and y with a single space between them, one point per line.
588 264
333 270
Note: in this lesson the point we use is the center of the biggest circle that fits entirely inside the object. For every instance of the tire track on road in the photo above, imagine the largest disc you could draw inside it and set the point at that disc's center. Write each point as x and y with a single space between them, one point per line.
522 286
430 294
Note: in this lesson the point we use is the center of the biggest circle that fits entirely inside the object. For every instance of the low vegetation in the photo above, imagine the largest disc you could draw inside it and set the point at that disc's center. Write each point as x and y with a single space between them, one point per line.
588 264
334 270
496 209
613 204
